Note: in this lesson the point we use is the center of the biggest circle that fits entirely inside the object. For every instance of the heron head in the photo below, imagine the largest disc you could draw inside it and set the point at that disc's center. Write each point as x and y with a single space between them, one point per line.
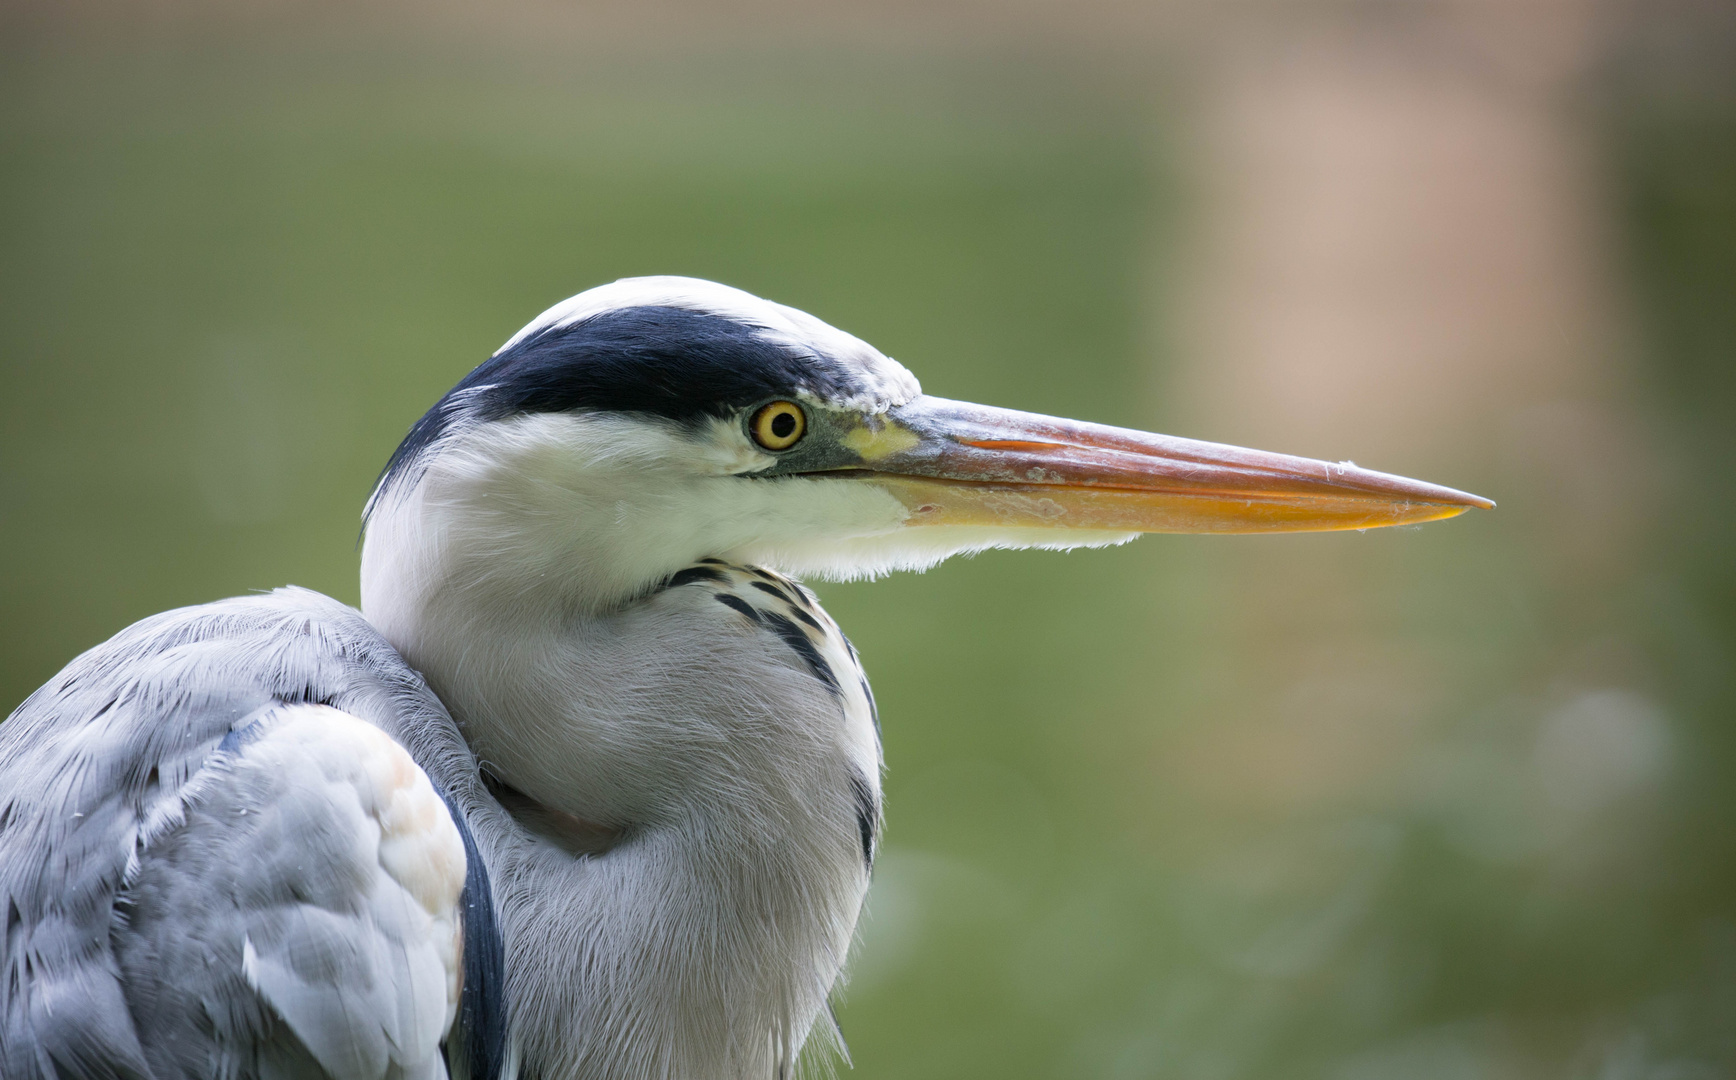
643 424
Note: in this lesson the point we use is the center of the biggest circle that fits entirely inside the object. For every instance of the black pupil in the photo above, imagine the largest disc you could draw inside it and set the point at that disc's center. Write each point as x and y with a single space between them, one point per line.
784 425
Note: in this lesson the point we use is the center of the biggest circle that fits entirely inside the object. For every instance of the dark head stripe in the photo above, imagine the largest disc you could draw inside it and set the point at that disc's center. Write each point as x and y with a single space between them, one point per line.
682 366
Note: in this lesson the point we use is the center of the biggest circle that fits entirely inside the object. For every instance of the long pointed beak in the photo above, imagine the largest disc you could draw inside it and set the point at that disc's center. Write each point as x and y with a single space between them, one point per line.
955 463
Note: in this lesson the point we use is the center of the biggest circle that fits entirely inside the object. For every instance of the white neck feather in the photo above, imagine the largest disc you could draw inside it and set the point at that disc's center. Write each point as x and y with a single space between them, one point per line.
522 586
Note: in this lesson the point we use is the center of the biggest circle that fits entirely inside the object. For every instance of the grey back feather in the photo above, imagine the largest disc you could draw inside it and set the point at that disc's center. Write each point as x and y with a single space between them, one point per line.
115 960
700 946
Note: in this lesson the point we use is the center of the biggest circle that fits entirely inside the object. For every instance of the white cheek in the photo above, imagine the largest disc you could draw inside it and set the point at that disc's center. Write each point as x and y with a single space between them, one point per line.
764 514
914 549
725 450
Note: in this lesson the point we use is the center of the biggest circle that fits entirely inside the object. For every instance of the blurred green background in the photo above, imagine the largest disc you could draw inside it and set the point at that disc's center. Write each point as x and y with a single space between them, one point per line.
1451 802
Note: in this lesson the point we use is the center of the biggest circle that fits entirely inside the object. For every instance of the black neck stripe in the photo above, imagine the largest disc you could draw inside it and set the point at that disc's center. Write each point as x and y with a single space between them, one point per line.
481 1026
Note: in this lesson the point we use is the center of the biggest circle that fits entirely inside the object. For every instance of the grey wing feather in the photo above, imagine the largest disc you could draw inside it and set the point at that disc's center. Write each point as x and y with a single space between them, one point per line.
126 869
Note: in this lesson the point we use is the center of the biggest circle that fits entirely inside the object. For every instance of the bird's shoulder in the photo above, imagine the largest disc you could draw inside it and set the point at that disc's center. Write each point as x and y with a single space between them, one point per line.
219 854
309 877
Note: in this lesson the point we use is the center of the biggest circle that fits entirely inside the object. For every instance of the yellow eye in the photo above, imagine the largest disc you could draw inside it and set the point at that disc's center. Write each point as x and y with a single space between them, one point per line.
779 426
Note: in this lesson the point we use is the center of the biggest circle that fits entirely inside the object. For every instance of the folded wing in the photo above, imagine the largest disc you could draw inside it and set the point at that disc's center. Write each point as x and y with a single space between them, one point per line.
203 874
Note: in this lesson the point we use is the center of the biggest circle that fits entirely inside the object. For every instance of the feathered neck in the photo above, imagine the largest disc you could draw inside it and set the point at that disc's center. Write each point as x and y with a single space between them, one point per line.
704 941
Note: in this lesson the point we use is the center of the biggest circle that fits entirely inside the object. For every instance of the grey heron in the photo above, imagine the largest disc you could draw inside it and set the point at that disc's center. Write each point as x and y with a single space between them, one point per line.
590 785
